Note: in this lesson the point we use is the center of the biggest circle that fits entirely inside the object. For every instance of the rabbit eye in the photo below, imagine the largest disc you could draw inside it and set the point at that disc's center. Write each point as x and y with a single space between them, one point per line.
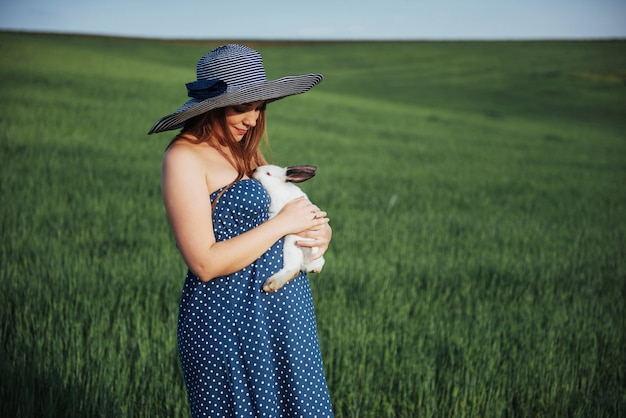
268 173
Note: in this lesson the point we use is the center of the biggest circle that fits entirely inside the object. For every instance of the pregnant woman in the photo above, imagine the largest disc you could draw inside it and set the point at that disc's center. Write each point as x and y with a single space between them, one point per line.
243 352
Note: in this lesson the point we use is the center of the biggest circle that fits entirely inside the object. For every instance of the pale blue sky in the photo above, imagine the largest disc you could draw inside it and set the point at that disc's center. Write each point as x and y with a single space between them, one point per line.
322 19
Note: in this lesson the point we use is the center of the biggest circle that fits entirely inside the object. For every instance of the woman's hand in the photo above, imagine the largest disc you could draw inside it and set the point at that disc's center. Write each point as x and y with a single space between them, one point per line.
317 236
301 215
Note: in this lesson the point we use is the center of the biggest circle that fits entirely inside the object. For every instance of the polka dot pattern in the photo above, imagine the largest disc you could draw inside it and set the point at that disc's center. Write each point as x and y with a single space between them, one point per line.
244 352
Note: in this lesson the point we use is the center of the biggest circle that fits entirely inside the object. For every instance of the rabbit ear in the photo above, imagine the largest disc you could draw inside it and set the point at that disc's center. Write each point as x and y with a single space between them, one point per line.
300 173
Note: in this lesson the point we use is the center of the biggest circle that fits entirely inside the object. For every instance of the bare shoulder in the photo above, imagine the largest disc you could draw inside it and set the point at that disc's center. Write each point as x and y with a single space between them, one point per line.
183 169
188 159
181 154
191 162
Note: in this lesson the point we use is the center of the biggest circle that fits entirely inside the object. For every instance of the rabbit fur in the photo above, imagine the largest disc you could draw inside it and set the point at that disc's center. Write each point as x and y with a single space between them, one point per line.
279 184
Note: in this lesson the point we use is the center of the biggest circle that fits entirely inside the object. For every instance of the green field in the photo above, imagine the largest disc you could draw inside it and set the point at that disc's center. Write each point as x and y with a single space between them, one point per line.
476 192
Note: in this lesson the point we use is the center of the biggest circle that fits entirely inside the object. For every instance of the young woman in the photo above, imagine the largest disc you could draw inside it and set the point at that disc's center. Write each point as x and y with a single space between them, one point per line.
243 352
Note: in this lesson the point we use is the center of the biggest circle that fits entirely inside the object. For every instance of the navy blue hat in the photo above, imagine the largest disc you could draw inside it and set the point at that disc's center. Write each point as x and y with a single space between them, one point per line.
231 75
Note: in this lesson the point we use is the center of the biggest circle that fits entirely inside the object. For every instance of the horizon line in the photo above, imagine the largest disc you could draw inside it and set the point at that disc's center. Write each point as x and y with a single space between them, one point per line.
280 39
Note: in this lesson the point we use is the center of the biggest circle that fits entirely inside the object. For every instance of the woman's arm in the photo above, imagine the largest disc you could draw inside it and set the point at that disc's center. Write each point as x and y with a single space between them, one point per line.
187 201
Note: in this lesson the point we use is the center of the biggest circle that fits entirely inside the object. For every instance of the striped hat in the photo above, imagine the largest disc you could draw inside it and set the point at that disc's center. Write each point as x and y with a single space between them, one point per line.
231 75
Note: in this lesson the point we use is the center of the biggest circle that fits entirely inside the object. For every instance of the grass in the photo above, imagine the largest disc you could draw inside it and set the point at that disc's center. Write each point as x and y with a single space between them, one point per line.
475 189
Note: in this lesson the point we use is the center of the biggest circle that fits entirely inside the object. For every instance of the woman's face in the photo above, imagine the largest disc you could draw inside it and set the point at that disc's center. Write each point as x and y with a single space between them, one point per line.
240 118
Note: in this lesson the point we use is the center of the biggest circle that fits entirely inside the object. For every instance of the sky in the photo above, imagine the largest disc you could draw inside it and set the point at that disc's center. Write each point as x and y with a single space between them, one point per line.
321 19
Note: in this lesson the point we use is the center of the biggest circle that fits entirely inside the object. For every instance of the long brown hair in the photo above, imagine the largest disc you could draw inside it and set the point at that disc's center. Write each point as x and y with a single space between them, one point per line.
245 155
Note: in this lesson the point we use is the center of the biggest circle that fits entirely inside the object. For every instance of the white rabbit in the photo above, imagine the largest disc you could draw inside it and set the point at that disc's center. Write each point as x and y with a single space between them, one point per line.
279 184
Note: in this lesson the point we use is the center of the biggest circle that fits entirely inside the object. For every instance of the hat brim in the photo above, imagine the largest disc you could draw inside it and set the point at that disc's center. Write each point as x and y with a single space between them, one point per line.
270 90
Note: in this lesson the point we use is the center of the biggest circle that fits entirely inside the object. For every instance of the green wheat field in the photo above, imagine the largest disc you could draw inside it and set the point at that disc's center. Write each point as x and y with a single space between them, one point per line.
476 190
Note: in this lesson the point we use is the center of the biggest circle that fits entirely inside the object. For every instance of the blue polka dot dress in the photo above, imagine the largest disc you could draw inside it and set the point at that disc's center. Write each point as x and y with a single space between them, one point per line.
244 352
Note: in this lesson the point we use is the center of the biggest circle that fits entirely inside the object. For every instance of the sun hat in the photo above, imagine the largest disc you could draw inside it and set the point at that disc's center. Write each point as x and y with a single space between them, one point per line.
231 75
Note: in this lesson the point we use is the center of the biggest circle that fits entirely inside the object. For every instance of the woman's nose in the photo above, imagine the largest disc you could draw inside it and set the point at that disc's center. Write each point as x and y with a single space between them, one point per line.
251 118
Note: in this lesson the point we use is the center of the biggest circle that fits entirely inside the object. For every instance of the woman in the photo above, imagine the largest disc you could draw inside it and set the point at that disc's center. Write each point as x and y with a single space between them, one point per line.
243 352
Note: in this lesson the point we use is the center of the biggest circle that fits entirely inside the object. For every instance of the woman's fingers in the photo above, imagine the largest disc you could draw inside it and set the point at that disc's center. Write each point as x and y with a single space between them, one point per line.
300 214
317 237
